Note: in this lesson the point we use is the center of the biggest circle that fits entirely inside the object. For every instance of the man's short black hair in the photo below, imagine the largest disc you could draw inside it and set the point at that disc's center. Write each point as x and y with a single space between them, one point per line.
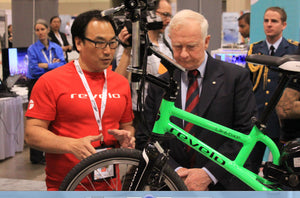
157 4
54 17
246 17
79 25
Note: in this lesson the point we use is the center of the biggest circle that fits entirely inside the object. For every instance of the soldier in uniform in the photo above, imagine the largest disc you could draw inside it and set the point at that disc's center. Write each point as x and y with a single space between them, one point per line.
264 80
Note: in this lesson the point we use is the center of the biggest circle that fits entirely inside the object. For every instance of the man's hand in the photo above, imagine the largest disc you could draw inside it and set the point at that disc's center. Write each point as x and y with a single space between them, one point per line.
124 137
83 148
124 36
56 60
196 179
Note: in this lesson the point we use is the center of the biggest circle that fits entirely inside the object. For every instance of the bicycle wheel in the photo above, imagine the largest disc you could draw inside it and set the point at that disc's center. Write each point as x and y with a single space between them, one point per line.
118 167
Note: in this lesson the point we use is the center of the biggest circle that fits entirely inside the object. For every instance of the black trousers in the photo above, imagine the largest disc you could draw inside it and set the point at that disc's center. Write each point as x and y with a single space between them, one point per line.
36 156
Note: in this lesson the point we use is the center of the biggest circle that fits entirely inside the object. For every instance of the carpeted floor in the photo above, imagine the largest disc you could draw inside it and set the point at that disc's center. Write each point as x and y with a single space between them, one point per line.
21 185
18 174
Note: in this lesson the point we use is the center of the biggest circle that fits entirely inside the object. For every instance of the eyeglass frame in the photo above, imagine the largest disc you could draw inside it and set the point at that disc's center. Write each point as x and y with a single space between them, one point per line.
102 42
165 14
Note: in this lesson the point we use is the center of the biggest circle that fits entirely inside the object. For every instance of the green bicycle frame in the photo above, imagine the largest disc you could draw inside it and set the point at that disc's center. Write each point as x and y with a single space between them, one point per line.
164 125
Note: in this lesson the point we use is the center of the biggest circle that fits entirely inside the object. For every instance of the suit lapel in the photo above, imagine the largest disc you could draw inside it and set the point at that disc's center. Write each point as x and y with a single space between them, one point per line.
263 48
210 85
53 37
282 48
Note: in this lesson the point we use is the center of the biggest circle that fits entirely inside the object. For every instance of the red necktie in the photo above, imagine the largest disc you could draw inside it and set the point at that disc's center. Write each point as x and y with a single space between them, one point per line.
192 100
192 96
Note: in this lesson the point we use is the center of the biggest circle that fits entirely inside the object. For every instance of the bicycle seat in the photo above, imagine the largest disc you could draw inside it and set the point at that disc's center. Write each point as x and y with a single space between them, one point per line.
286 62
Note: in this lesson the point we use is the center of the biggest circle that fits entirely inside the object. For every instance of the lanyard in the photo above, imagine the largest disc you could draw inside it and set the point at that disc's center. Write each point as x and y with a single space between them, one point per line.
50 55
92 99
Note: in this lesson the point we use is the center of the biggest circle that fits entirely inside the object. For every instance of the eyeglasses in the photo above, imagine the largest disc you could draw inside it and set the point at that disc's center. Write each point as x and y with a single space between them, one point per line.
165 14
103 44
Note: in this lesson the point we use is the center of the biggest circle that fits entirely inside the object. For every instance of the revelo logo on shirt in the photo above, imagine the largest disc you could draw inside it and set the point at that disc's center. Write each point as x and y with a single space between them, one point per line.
85 96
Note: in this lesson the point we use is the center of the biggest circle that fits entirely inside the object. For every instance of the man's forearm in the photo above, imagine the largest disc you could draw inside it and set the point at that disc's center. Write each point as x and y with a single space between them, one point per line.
124 62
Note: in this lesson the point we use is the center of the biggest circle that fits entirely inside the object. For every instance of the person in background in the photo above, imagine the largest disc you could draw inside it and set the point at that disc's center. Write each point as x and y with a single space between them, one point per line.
244 27
264 80
154 66
68 29
43 56
9 37
58 37
223 94
64 120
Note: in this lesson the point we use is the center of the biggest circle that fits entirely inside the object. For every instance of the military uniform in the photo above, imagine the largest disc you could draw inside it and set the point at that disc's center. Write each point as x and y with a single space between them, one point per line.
265 82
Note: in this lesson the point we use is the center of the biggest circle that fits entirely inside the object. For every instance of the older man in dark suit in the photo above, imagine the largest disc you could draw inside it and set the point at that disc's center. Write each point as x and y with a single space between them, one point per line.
226 97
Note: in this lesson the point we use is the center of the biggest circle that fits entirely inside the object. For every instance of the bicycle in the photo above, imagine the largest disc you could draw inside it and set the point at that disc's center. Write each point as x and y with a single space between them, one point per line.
148 169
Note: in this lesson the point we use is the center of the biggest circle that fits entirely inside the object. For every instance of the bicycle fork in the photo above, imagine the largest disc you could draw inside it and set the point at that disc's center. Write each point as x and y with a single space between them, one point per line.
152 155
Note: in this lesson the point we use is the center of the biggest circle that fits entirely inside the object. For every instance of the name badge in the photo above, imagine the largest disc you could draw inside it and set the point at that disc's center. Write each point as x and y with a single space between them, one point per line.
104 172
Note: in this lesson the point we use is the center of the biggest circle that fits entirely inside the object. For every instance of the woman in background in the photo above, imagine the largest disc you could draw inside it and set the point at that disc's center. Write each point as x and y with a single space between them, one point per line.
43 56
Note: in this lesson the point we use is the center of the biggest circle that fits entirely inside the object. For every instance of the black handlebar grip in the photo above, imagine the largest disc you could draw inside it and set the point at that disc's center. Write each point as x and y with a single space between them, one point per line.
264 59
272 60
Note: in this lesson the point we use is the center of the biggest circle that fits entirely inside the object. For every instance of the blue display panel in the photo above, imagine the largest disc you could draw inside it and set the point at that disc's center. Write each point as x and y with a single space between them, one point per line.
14 61
235 56
18 61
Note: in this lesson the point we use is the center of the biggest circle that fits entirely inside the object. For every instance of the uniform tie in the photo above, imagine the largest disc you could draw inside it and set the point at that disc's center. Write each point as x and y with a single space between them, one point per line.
272 50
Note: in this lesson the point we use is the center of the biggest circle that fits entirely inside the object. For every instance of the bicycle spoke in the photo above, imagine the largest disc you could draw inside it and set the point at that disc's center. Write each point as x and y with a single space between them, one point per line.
119 170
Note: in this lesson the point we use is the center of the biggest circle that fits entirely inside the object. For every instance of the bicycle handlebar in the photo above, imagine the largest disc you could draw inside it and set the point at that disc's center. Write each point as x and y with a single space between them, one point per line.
165 60
264 59
289 62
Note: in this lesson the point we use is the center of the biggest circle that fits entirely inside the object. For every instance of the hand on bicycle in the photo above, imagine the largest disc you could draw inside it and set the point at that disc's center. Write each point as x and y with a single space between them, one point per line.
124 137
83 148
196 179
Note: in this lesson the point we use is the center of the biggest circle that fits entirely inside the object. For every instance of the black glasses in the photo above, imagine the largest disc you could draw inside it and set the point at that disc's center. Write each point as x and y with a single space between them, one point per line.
102 44
165 14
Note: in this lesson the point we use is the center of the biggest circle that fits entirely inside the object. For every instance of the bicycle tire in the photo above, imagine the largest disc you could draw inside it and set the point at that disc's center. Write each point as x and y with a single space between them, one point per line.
118 158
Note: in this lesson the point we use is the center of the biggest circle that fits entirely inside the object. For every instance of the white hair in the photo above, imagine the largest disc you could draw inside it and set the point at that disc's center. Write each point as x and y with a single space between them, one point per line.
182 16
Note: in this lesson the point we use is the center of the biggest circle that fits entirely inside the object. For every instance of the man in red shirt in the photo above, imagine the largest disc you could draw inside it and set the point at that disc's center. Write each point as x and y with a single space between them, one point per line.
81 105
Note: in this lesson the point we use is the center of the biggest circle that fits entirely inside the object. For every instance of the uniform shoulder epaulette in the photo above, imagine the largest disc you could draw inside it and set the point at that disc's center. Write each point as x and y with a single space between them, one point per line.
252 45
293 42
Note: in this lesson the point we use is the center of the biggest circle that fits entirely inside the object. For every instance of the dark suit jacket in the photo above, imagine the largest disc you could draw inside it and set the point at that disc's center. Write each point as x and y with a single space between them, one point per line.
55 40
226 98
265 90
